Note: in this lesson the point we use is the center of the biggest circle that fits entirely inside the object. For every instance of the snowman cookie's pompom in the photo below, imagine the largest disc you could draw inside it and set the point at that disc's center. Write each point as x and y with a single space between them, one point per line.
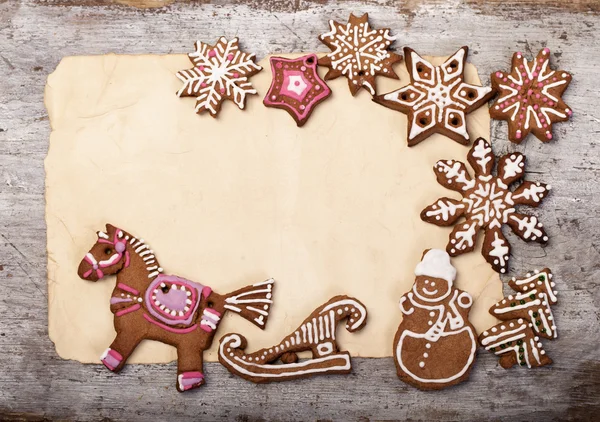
436 264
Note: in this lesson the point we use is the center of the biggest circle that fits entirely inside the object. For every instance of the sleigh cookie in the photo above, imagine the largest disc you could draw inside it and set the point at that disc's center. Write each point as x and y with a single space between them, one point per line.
317 334
150 305
435 345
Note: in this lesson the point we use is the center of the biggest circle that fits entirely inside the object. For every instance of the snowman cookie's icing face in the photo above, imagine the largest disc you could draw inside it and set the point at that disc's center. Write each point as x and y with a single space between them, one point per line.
431 289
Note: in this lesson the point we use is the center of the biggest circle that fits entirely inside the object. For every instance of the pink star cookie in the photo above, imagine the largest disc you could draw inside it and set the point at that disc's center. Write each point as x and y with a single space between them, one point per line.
296 87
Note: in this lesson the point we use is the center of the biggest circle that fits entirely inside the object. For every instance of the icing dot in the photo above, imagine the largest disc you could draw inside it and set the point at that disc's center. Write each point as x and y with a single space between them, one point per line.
431 314
230 57
421 364
428 346
425 355
212 53
494 329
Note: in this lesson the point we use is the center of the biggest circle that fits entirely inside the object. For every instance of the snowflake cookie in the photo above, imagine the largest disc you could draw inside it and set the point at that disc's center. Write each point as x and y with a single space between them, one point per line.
487 203
220 73
359 53
529 97
296 87
437 98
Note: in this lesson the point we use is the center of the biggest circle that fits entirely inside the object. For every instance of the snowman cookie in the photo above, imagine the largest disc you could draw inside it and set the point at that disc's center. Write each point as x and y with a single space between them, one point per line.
435 345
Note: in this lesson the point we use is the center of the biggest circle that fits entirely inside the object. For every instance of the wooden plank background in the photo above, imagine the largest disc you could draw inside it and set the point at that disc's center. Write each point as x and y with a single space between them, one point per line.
36 385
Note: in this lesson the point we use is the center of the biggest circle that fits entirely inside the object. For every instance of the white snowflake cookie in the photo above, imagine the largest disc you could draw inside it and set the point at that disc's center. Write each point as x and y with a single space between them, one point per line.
437 99
487 203
359 53
220 73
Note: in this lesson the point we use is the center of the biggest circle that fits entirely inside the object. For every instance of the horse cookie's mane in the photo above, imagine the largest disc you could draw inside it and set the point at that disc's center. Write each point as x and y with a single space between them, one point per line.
143 250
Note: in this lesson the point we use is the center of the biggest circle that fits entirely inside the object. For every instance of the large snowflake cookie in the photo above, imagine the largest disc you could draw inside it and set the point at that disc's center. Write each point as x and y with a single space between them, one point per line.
359 53
437 98
296 87
220 73
529 97
487 203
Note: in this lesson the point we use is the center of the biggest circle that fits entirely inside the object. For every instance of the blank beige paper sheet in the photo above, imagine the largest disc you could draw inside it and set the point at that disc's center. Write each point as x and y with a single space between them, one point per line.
331 208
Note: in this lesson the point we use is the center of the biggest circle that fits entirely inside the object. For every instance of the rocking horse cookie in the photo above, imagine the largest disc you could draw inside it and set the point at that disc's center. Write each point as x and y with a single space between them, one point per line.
150 305
316 334
435 345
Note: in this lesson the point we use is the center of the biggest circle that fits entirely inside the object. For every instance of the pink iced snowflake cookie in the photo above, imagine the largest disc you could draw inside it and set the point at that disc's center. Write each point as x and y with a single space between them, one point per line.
220 73
487 203
530 97
296 87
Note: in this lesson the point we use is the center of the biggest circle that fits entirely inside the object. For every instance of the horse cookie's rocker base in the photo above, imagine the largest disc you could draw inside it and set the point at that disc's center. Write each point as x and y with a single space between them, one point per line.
316 334
149 305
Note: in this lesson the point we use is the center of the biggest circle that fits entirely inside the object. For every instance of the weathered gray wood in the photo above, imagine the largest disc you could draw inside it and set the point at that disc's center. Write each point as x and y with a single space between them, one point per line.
35 384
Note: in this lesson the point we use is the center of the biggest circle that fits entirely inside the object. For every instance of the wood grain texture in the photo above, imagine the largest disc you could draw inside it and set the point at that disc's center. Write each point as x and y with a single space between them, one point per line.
36 385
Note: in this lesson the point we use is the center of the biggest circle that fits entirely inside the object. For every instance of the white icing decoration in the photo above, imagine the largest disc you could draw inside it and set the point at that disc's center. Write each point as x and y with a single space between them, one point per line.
436 264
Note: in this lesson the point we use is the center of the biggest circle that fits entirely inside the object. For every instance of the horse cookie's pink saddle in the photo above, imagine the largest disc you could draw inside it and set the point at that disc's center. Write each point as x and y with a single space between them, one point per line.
174 300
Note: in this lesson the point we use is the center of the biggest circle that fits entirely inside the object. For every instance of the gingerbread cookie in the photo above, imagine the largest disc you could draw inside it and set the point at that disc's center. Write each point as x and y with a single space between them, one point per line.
296 87
220 73
530 97
150 305
435 344
516 344
526 317
316 334
487 203
437 99
359 53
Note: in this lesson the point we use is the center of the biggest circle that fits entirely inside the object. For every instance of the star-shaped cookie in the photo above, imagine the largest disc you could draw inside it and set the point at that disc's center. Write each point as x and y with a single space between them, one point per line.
437 98
359 53
296 86
529 97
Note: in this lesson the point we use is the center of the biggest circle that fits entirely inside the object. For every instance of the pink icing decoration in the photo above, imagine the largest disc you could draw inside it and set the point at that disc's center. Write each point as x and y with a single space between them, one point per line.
549 135
550 103
200 68
230 57
212 53
128 310
128 289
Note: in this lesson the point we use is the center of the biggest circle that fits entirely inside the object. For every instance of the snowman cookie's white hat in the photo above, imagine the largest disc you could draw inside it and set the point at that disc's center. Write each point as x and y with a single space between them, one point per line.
436 264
